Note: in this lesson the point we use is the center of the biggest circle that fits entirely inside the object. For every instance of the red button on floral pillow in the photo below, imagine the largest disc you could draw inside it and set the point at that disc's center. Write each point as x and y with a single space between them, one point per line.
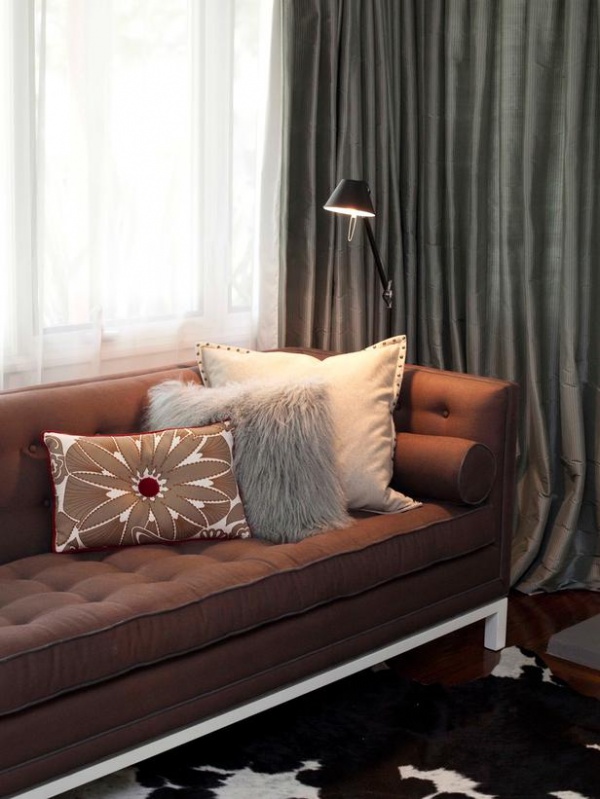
151 488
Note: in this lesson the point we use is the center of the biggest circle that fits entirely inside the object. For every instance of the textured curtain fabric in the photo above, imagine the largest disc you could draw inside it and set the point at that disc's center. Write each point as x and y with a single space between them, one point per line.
477 124
343 105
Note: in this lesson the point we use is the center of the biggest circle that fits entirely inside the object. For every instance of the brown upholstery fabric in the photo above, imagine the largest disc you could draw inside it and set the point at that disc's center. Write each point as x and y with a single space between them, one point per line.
110 716
474 408
87 407
103 651
443 467
100 615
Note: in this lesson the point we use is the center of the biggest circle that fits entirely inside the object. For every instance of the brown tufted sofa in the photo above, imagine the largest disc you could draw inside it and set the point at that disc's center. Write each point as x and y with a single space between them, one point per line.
109 657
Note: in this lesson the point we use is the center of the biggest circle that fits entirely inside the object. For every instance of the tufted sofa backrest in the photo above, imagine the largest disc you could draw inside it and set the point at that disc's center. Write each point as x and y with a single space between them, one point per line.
84 407
432 402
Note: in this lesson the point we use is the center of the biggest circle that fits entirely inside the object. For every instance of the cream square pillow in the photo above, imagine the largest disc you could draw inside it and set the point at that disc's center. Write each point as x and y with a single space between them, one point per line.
363 388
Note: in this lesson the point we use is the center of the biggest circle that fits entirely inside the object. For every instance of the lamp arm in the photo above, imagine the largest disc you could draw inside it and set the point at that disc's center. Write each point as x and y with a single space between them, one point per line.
387 284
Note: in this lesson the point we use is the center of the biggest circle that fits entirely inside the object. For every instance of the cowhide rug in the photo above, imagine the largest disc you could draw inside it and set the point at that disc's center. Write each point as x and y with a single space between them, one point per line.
517 734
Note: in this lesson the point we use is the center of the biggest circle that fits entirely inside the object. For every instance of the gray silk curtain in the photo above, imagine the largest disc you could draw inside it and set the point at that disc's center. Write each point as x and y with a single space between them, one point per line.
477 125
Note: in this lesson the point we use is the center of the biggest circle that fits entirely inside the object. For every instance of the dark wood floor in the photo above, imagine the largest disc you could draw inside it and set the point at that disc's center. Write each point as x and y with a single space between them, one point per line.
460 656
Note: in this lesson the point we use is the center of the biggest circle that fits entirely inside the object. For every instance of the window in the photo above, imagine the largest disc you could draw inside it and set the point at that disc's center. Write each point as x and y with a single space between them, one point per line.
132 132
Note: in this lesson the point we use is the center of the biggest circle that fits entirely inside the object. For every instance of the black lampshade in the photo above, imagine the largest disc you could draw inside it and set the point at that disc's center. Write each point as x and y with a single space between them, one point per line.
352 197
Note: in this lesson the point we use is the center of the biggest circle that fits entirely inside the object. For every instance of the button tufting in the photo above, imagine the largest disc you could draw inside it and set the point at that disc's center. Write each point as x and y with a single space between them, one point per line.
33 448
445 413
47 503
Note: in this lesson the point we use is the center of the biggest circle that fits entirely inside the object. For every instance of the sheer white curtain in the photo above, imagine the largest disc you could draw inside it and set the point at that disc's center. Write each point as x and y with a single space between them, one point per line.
135 192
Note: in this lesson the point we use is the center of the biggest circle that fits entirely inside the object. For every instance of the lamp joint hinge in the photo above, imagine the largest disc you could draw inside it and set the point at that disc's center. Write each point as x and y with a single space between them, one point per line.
388 295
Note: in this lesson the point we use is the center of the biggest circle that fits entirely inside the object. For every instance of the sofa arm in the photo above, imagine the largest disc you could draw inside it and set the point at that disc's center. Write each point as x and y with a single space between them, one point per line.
437 402
443 468
483 409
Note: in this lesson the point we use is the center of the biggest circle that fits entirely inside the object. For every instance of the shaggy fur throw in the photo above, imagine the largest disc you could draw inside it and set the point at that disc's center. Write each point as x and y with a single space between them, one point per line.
284 455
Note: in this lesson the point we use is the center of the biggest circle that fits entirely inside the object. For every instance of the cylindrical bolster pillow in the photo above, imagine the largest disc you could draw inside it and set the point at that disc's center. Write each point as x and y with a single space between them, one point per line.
444 468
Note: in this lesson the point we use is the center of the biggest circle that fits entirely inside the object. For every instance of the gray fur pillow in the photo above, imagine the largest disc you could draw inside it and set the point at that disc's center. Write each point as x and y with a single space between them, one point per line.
284 456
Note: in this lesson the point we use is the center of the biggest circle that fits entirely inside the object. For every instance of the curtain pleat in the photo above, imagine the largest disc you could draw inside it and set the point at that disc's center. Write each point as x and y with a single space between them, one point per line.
477 126
341 61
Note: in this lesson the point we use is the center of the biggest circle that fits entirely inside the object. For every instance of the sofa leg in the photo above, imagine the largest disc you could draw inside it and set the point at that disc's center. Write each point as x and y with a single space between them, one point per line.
495 628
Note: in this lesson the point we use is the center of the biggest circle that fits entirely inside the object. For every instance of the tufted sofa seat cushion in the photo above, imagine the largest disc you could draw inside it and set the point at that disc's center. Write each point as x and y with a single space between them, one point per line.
70 620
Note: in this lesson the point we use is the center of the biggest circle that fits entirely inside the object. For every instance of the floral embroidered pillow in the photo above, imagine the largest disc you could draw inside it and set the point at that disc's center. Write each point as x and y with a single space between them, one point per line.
151 488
